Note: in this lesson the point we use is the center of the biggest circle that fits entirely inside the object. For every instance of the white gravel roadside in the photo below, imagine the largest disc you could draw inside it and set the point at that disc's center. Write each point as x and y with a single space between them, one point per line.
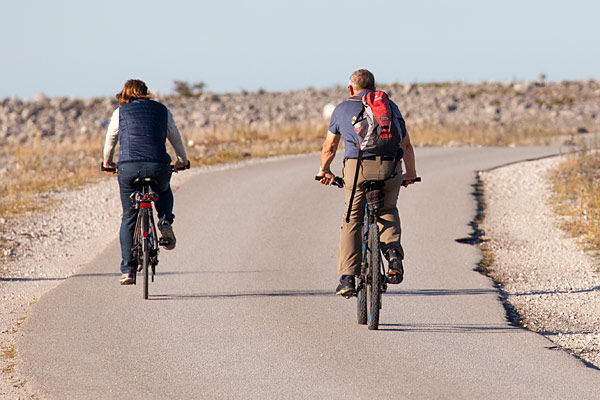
545 276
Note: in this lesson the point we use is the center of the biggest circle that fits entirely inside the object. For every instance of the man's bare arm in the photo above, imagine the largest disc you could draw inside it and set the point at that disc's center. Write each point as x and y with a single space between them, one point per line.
330 146
409 158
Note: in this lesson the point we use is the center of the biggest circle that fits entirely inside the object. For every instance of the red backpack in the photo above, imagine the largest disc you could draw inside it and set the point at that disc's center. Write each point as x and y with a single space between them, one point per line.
377 126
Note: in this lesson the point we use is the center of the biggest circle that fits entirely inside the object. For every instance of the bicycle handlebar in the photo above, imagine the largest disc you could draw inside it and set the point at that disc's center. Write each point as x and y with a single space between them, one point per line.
409 181
107 169
114 169
337 181
182 168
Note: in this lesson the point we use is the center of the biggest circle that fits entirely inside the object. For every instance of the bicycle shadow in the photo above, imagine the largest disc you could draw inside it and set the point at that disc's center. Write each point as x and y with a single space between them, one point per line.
448 328
116 274
234 295
324 292
440 292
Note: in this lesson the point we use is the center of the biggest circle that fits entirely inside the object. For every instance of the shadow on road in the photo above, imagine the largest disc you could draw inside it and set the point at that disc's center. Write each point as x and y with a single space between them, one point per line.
545 292
282 293
113 274
4 279
448 328
440 292
307 293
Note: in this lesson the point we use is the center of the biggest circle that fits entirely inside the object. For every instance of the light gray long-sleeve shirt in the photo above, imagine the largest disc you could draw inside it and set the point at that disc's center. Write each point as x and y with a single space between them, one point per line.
112 137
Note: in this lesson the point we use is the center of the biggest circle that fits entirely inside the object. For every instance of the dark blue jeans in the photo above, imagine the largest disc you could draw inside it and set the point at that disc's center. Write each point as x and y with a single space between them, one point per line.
164 206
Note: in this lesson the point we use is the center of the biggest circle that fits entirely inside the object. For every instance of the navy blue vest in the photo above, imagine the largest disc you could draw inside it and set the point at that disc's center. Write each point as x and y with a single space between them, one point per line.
143 132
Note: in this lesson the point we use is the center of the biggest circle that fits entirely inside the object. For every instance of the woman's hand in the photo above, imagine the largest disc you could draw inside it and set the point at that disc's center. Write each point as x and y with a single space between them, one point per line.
179 165
109 166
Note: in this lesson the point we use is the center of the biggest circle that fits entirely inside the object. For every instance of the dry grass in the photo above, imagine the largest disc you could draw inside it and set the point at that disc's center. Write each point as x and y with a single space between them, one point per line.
480 135
9 353
576 197
34 169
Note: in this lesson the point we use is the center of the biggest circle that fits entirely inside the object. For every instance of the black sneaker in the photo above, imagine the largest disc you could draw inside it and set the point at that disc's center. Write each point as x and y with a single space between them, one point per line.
128 279
168 237
395 273
346 286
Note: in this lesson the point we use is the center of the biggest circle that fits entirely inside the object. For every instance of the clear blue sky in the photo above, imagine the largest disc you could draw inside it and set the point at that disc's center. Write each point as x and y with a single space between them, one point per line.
85 49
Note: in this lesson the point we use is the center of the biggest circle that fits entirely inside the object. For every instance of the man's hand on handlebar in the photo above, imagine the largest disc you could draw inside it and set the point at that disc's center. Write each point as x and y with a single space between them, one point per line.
409 180
336 181
327 177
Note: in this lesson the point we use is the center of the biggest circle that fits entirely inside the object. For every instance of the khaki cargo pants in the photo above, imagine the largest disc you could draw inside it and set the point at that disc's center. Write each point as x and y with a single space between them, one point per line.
350 247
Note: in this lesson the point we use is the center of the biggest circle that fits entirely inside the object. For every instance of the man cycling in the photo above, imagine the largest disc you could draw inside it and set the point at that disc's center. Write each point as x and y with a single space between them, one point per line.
142 126
372 167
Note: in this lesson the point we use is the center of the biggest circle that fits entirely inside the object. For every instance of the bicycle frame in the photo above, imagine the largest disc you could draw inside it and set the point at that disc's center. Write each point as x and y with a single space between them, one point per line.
145 239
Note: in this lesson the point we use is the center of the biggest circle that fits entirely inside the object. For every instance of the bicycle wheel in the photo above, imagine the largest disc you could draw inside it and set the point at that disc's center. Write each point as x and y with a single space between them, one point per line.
146 251
361 304
361 293
375 275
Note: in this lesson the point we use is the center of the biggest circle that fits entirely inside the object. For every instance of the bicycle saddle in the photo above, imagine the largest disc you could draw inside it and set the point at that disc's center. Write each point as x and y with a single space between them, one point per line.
145 181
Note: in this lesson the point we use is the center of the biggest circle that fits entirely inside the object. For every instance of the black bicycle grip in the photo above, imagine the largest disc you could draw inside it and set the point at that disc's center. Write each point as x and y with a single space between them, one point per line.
107 169
187 166
337 181
406 182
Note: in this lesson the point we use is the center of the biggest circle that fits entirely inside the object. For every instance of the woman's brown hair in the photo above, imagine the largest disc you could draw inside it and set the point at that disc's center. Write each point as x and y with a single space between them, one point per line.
133 89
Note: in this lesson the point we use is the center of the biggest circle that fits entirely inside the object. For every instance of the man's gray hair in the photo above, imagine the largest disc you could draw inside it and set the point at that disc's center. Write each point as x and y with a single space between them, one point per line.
362 79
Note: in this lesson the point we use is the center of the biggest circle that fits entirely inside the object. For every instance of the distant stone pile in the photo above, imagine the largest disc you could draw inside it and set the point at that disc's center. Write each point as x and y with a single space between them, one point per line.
564 107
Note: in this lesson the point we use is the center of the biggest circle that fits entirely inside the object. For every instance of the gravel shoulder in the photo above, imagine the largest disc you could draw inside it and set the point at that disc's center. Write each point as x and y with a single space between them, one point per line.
553 286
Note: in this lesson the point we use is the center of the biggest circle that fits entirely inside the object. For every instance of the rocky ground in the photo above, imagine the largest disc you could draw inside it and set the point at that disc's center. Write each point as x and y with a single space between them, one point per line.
562 107
551 284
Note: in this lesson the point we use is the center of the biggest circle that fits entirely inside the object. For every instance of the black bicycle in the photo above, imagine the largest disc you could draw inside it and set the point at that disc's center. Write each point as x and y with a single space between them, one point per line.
145 239
371 282
146 242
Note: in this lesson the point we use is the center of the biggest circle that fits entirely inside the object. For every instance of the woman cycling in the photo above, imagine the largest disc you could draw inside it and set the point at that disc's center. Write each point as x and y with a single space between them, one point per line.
142 126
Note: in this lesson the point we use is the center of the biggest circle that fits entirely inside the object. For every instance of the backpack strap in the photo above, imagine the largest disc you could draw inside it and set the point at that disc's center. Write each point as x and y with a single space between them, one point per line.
396 161
358 162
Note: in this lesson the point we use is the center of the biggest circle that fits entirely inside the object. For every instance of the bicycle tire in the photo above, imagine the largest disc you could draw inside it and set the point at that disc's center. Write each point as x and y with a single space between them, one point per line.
361 302
375 275
146 251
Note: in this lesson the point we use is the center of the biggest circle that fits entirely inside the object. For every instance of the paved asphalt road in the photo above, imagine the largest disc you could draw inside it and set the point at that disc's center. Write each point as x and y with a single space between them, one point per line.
244 307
